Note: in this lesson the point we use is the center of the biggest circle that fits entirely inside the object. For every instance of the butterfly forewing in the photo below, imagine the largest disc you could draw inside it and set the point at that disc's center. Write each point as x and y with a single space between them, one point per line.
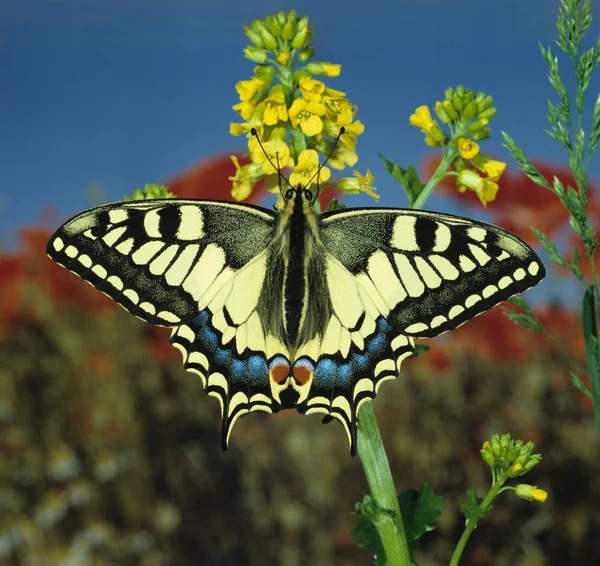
158 258
430 272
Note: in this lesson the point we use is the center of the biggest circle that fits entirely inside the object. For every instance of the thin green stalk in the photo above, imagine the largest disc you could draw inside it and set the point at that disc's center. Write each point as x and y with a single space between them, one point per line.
436 178
470 526
379 477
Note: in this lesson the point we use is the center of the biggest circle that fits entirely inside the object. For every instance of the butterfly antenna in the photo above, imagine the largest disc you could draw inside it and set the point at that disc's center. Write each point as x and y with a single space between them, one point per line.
335 144
254 133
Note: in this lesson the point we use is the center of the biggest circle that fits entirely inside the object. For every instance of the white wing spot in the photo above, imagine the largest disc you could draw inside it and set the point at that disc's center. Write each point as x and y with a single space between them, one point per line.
534 268
410 278
191 225
404 234
364 384
438 321
489 291
168 316
160 264
182 265
443 237
85 260
431 278
111 237
416 327
399 342
89 234
504 282
100 271
152 224
132 296
466 264
198 358
445 267
383 365
479 254
519 274
477 233
148 307
504 255
58 244
125 246
115 282
71 251
147 251
384 278
472 300
116 216
455 311
205 271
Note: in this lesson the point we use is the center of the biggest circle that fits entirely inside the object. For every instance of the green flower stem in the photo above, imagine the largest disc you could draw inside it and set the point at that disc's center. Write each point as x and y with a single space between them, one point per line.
436 178
470 527
379 477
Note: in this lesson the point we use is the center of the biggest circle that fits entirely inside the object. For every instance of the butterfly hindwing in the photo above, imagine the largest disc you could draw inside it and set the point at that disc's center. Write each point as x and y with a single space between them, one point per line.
357 353
226 346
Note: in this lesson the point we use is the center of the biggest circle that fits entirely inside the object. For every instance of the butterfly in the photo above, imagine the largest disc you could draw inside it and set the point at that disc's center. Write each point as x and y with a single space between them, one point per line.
291 308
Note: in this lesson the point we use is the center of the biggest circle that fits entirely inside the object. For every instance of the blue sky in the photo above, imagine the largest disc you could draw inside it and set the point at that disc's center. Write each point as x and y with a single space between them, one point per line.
119 93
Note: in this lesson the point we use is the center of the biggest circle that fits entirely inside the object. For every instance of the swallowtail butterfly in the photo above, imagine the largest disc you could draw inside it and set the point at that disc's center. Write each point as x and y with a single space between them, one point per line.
292 308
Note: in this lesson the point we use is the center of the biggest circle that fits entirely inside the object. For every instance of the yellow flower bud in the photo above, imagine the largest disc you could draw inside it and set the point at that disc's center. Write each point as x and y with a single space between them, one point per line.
254 54
305 54
290 26
470 110
266 36
274 25
467 148
283 57
302 34
531 492
327 69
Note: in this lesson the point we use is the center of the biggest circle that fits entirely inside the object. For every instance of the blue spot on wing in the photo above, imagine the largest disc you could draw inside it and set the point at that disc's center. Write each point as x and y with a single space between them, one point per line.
331 372
247 368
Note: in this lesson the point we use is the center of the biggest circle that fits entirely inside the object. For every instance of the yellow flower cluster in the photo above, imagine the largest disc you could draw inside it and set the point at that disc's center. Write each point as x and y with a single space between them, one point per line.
510 458
297 117
467 116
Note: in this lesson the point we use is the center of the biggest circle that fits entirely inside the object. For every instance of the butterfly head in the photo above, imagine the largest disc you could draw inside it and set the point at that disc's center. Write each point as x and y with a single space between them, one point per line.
299 194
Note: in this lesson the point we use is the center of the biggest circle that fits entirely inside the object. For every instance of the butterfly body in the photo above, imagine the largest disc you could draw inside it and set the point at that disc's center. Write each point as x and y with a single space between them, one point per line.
292 308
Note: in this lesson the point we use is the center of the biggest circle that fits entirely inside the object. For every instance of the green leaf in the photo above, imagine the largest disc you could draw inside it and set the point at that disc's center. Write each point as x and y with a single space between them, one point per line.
586 16
550 247
580 386
420 512
150 192
574 265
334 204
524 163
364 532
592 351
523 320
564 107
594 138
472 507
408 179
419 349
522 304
